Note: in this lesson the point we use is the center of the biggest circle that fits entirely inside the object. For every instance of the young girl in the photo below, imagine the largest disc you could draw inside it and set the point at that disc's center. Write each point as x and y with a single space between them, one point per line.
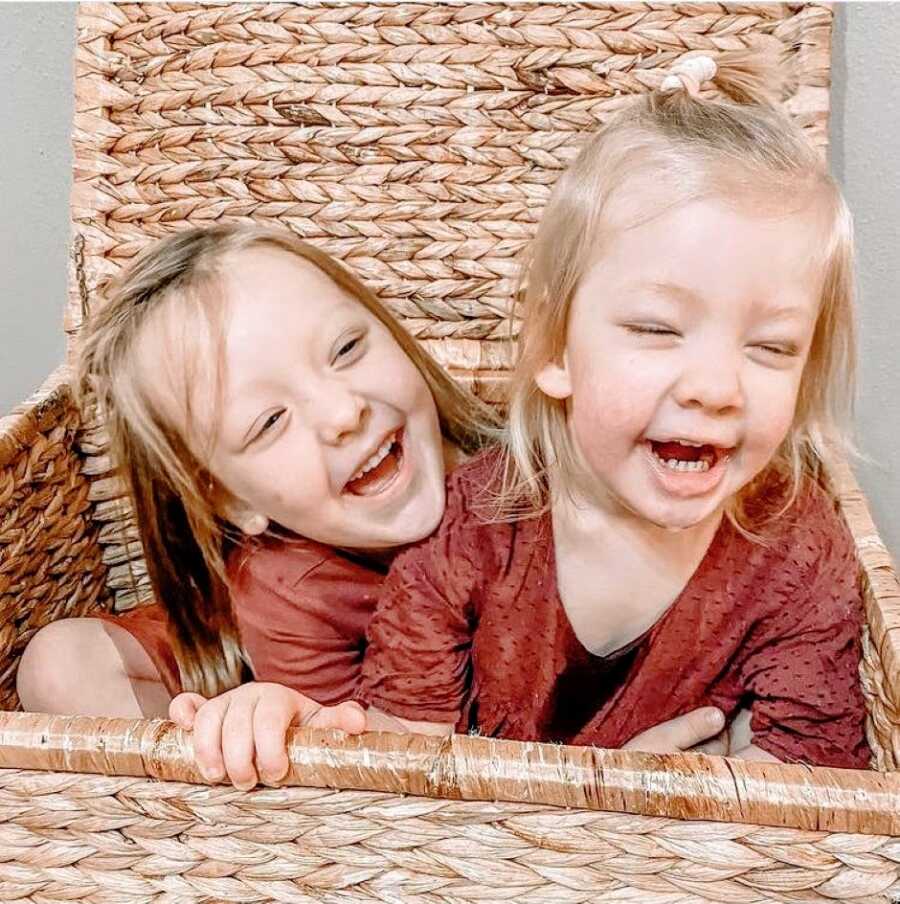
250 381
687 347
663 542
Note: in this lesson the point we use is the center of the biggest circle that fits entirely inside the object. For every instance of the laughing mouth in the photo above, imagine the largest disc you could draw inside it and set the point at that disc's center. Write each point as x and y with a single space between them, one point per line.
685 456
380 469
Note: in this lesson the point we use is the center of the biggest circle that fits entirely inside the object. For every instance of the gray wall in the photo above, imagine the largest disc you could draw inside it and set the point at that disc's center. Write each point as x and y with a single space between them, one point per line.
865 135
36 46
36 43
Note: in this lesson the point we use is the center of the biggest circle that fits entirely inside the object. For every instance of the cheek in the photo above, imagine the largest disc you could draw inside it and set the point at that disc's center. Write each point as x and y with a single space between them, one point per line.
285 482
774 406
603 422
388 374
612 394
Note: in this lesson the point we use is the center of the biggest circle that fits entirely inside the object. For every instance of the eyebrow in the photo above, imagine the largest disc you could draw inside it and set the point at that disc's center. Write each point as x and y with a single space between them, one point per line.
683 294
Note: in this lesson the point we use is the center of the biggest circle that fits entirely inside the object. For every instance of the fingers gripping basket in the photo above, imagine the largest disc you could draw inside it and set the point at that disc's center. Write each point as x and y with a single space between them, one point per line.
417 142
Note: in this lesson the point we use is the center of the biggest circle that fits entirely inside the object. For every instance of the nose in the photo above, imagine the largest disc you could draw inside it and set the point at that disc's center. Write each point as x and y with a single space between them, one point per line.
711 381
341 413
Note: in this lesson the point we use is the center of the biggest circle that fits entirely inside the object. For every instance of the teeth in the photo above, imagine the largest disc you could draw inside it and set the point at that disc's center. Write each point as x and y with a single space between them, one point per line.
684 442
376 458
673 464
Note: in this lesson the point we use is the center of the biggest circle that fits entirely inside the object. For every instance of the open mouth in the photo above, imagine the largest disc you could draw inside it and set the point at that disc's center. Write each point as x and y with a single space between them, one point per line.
380 470
686 457
687 469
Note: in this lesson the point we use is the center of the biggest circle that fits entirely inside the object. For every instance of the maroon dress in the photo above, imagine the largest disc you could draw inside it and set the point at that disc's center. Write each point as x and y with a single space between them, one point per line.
470 629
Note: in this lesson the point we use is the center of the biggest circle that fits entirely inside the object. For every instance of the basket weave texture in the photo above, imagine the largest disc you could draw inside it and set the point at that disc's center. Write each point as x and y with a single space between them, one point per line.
417 142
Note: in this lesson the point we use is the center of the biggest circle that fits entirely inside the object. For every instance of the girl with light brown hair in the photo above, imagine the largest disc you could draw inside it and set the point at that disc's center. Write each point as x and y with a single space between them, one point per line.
267 412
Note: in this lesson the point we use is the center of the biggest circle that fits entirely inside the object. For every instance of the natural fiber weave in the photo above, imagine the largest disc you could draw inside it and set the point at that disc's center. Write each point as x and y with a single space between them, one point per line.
140 839
418 142
136 841
50 554
880 668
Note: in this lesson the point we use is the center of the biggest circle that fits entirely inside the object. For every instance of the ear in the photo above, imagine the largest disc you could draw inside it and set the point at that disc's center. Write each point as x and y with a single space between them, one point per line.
245 519
253 524
553 379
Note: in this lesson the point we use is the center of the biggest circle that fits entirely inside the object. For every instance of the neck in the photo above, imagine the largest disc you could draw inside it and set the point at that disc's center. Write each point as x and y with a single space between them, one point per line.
586 518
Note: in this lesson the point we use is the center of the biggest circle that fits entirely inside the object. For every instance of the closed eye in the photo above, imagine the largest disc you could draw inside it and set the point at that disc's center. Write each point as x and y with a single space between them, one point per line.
784 351
642 329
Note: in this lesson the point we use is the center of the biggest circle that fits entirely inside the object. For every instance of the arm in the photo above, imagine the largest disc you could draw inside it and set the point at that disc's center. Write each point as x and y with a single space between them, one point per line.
302 612
378 720
738 741
417 664
803 670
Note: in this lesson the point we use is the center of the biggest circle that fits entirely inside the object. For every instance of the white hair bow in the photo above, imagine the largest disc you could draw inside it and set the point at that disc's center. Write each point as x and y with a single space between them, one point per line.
690 74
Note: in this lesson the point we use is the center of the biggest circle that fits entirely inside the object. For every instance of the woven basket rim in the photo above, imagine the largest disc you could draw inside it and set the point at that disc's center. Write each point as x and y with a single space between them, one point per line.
19 428
460 767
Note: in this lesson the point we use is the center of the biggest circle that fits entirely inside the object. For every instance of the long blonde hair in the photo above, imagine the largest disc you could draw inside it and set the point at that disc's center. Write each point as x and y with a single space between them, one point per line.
694 147
174 493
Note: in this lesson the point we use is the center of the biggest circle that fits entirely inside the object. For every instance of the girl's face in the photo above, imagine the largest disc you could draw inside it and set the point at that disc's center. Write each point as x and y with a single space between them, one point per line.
685 349
324 425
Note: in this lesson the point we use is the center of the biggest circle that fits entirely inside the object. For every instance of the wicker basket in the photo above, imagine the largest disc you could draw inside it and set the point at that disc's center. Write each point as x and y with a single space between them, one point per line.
418 142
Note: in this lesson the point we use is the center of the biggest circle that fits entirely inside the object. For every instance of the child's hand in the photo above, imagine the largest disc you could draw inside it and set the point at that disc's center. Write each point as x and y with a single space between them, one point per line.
736 737
241 734
684 732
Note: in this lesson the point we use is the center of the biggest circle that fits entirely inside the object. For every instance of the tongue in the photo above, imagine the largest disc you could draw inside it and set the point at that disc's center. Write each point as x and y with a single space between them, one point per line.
680 452
378 478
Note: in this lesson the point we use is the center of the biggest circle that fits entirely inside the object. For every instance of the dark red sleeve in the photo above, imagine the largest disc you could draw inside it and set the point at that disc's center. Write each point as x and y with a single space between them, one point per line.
804 672
149 626
418 659
302 615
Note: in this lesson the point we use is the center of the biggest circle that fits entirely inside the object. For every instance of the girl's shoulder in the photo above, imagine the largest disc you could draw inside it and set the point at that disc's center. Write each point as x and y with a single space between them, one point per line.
474 527
813 521
284 562
470 486
803 546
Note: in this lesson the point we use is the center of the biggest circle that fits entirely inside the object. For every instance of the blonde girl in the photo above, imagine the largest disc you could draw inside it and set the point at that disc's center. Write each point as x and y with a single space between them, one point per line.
663 542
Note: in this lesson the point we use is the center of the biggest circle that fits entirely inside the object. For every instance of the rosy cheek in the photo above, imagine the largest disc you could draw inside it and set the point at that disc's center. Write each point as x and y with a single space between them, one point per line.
776 429
772 408
598 425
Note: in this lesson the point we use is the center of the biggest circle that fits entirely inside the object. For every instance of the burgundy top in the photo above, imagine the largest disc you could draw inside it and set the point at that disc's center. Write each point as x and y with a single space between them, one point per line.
470 621
302 609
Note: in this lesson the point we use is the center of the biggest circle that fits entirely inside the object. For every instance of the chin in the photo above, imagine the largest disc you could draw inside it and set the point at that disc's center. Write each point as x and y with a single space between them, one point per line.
419 525
682 517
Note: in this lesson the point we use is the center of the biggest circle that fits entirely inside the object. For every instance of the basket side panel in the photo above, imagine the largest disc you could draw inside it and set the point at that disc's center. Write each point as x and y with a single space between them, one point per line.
418 142
198 844
50 557
880 667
